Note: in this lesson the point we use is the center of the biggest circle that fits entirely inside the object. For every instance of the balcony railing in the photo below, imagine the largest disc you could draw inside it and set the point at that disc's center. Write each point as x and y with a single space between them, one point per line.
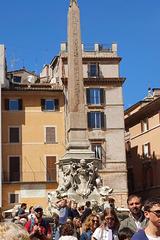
29 176
93 47
97 47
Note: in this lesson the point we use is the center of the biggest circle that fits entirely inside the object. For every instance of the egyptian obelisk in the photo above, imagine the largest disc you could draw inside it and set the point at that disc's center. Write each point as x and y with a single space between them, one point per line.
76 116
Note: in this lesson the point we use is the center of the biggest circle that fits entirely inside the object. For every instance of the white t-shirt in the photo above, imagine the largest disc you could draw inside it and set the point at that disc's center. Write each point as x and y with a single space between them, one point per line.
104 234
68 238
152 238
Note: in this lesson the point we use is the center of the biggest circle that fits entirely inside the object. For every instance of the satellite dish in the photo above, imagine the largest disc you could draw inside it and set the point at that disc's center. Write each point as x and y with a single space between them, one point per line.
31 79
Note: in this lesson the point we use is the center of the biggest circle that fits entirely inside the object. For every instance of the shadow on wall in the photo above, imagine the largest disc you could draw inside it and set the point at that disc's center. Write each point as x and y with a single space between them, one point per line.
143 173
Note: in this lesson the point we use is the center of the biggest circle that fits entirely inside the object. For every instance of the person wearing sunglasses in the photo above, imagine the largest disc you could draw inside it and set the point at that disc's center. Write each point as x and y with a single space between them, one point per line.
152 213
91 223
108 230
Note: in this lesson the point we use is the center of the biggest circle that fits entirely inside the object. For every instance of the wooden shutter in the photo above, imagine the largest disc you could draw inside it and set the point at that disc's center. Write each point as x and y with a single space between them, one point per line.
14 198
42 104
6 104
102 120
89 120
102 96
143 151
50 135
14 135
149 149
51 168
88 96
56 102
14 169
98 70
20 104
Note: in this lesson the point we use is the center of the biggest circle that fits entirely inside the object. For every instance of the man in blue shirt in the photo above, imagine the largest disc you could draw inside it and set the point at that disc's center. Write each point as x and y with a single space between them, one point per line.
152 213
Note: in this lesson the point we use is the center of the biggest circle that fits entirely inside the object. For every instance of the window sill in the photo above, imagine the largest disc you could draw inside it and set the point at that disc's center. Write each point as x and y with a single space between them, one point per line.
50 110
101 105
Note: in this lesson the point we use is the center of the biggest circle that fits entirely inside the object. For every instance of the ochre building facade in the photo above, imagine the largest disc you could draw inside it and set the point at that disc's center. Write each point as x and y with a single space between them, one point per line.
142 124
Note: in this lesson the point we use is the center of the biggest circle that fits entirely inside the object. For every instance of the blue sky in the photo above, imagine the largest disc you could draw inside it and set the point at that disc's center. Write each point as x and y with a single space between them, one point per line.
32 31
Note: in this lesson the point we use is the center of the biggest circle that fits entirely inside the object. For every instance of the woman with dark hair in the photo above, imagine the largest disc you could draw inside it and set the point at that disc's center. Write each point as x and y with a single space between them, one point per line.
67 232
91 223
109 229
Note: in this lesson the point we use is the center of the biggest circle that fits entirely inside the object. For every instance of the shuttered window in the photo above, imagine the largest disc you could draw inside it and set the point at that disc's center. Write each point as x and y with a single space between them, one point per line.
93 70
144 125
146 150
51 168
96 120
14 169
13 198
13 104
49 104
95 96
50 135
14 135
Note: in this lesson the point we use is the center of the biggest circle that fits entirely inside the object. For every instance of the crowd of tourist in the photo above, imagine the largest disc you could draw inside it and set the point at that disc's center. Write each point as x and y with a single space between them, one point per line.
73 222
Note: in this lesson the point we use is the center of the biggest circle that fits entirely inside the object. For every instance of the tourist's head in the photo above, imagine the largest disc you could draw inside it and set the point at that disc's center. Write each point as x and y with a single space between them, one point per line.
81 209
24 206
88 204
55 218
125 234
110 218
134 204
77 222
92 222
38 211
31 209
67 229
152 211
63 202
74 205
12 231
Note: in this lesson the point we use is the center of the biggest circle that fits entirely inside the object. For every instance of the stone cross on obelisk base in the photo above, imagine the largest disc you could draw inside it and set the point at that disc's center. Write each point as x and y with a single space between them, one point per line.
78 173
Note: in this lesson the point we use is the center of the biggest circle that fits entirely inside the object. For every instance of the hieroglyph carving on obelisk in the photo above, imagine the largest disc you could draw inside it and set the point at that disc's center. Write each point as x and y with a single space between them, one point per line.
76 117
75 71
